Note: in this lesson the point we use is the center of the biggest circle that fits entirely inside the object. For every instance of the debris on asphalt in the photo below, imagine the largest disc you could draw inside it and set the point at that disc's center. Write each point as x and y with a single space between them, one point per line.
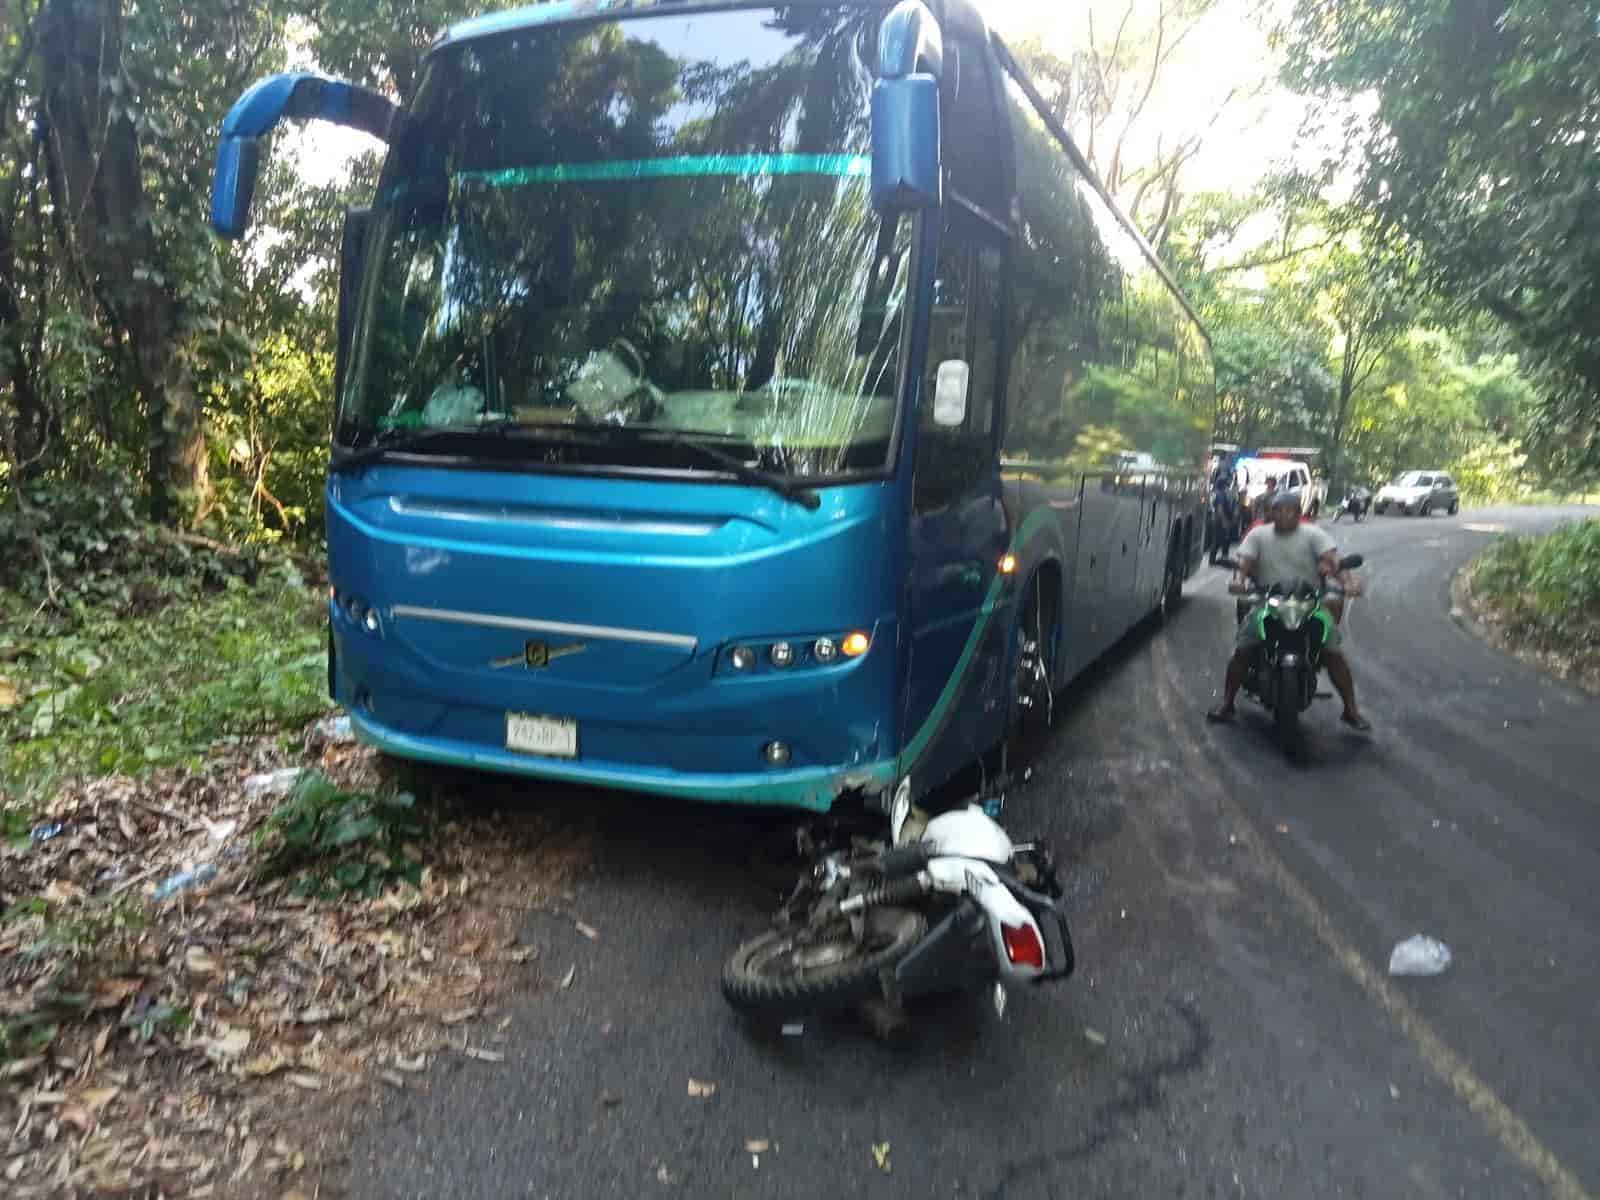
1282 828
793 1029
588 931
1094 1036
757 1145
566 980
880 1155
701 1091
1419 955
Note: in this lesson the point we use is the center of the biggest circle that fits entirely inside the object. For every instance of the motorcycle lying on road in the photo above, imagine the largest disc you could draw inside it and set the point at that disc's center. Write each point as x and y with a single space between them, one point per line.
949 903
1282 676
1355 506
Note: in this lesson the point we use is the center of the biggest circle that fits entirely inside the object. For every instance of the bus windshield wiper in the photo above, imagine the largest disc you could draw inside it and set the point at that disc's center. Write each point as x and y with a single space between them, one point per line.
743 471
403 441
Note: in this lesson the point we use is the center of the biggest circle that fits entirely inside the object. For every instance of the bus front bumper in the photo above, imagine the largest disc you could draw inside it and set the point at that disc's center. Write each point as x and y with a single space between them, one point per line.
812 788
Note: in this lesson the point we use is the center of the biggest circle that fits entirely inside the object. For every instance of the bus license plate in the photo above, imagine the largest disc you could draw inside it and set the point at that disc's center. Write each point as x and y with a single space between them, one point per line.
553 737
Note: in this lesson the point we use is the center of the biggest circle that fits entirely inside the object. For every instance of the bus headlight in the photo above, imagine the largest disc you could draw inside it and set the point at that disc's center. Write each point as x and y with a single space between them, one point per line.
767 655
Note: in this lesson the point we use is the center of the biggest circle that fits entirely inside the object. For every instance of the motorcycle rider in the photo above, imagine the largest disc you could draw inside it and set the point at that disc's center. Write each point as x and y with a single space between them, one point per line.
1284 552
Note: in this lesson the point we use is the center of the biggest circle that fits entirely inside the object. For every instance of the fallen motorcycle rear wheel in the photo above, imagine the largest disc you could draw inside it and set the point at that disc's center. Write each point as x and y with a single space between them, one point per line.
790 971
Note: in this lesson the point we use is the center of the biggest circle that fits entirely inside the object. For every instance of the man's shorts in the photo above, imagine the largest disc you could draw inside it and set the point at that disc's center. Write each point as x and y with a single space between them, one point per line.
1251 632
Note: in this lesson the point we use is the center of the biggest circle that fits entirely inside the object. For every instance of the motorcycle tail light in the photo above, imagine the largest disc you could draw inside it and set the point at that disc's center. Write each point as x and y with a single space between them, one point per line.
1023 946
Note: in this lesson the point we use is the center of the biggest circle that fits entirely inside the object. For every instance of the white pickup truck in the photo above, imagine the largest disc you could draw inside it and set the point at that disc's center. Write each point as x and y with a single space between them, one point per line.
1251 475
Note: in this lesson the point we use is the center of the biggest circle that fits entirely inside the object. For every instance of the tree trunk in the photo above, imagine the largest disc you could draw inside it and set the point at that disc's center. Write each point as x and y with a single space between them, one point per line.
107 229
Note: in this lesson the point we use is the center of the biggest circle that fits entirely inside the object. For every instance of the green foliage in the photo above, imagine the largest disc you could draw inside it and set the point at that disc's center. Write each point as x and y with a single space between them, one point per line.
121 695
1480 154
1559 571
338 843
1492 472
1321 342
1273 384
16 819
66 545
140 649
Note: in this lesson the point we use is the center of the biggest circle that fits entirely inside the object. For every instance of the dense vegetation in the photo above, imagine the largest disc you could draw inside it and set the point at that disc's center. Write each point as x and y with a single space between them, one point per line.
1542 596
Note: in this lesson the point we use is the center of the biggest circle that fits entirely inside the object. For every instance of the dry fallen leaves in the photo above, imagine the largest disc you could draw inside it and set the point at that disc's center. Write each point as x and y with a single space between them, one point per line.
222 1033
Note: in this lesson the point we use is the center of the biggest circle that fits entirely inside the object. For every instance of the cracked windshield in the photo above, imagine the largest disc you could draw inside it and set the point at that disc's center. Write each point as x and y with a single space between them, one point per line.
617 239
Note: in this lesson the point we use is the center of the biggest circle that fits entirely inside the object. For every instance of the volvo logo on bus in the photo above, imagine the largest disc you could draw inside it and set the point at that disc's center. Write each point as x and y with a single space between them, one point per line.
538 655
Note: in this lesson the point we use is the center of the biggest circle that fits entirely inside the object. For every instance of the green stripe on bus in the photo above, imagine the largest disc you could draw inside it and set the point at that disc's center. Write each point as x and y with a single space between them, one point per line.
677 168
930 726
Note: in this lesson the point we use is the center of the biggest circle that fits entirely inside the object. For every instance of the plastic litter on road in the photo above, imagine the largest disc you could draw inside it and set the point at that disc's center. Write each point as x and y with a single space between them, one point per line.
176 883
1419 955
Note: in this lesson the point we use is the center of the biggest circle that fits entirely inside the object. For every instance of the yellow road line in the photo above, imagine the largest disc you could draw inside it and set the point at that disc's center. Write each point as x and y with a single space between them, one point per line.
1508 1129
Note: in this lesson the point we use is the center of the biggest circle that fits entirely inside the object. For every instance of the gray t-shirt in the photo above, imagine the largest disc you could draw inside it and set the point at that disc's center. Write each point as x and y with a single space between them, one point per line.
1286 557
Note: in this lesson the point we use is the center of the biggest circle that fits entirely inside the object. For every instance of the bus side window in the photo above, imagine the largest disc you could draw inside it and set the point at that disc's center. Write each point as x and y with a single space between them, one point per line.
963 326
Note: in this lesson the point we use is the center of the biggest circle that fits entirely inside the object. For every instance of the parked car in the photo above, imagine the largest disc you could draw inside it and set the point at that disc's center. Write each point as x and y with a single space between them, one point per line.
1419 492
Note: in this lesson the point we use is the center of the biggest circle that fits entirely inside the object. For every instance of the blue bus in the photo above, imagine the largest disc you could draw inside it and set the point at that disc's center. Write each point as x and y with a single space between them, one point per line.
742 402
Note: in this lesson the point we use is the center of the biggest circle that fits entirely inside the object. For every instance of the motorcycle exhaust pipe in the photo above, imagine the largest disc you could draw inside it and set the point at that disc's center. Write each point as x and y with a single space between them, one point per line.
896 892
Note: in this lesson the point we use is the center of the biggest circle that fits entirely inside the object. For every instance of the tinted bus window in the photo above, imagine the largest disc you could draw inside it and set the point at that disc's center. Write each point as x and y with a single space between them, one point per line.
1100 344
963 326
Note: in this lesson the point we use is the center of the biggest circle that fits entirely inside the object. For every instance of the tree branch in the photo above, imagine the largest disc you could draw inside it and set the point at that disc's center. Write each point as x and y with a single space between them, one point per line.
1273 259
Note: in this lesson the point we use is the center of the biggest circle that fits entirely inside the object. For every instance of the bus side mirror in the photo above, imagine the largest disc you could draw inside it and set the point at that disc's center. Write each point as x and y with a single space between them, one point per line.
352 260
238 163
905 111
257 112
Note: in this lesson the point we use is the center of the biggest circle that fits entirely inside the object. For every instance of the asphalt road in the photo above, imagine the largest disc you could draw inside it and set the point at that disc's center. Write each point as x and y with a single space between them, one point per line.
1232 1029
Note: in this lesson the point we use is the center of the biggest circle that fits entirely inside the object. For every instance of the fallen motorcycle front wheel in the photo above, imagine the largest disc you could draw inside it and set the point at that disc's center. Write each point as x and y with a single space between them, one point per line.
789 971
